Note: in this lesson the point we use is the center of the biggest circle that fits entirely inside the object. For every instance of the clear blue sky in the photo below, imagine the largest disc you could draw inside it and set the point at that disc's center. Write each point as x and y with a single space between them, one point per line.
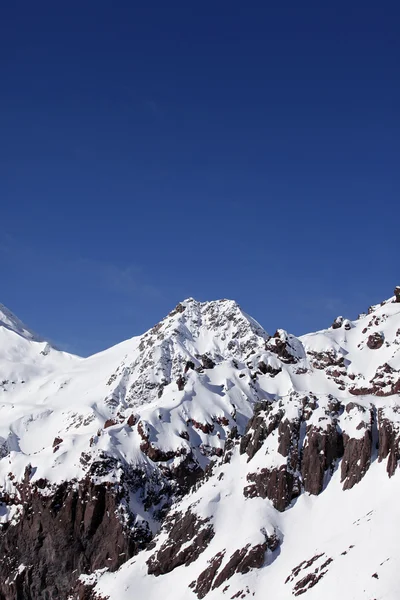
155 151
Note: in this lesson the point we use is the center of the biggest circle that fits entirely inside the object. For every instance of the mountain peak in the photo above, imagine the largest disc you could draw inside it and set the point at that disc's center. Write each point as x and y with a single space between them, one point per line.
10 321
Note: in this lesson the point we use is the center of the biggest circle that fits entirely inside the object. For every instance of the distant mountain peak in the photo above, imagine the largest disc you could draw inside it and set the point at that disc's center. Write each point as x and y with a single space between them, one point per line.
10 321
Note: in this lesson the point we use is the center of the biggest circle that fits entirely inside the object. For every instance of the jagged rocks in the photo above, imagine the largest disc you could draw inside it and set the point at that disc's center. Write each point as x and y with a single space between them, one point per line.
397 293
188 537
74 530
204 581
358 446
329 358
284 346
375 341
322 448
261 424
241 561
275 484
268 369
389 438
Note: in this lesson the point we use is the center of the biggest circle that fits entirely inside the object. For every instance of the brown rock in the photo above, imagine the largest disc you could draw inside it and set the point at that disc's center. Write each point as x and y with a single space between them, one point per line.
322 447
176 550
276 484
60 536
205 579
375 341
356 458
131 420
389 442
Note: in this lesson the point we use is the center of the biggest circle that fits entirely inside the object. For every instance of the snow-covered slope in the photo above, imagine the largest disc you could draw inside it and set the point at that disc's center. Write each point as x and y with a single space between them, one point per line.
298 439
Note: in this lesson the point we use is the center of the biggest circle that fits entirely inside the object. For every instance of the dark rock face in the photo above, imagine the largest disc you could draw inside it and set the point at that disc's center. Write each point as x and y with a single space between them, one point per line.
321 450
375 341
189 365
389 441
356 458
175 552
275 484
261 424
180 382
204 582
208 363
233 566
241 561
267 369
397 293
75 530
131 420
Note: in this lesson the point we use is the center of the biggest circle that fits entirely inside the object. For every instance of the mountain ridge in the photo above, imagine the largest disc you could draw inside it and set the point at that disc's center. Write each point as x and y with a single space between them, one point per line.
150 437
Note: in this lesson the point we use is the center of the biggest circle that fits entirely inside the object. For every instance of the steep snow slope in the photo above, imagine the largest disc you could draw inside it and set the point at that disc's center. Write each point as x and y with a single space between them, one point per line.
280 425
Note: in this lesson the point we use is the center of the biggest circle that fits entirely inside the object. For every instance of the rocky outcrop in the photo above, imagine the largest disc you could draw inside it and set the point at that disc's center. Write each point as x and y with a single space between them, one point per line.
397 293
260 425
282 344
75 529
267 369
322 448
389 439
375 341
188 537
276 484
241 561
357 449
337 323
203 584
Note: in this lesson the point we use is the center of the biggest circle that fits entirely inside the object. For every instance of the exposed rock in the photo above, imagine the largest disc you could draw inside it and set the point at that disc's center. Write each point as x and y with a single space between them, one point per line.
357 450
322 448
204 427
189 365
180 382
397 293
276 484
268 369
204 581
208 363
280 344
75 530
375 341
258 428
131 420
176 551
337 323
389 440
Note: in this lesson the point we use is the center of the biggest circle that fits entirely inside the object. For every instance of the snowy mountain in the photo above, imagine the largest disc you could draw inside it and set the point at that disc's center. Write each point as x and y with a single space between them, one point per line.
204 458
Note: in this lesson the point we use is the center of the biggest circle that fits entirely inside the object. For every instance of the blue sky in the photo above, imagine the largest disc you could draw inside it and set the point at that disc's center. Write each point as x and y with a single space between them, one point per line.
151 153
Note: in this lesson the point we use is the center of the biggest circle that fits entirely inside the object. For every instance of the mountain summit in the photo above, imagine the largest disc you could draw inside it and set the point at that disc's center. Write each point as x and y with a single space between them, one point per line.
204 458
